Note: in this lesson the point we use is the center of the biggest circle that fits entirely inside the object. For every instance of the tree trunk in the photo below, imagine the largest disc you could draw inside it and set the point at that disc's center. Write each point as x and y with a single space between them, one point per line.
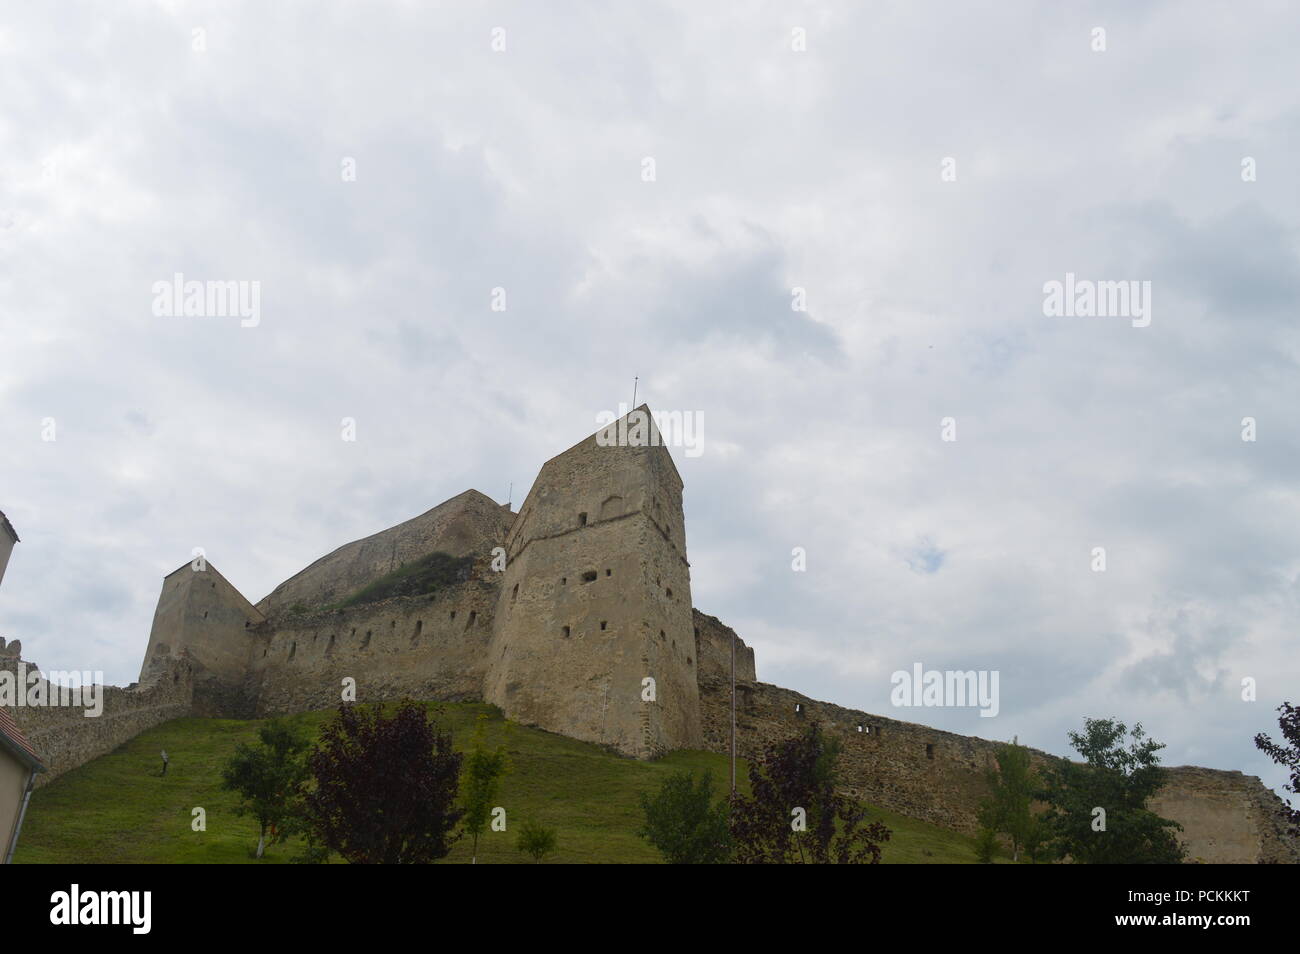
261 842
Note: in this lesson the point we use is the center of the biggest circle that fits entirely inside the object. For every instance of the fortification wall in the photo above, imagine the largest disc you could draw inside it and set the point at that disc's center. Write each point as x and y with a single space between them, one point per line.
939 777
1227 817
713 651
921 772
425 647
469 524
65 737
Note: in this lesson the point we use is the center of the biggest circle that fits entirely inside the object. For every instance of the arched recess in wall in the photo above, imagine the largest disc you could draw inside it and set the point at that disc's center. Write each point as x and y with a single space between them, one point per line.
612 507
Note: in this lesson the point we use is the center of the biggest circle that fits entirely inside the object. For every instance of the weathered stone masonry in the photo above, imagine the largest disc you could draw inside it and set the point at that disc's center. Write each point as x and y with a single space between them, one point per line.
66 738
938 776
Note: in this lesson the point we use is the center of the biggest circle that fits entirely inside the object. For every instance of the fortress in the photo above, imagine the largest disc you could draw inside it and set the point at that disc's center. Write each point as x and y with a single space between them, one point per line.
573 615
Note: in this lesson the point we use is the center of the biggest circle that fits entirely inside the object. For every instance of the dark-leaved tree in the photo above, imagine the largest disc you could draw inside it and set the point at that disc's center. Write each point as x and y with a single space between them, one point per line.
386 786
1098 811
1288 756
683 822
794 815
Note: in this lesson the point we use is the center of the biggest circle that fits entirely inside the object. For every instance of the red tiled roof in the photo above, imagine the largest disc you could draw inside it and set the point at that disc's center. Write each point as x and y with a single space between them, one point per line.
14 736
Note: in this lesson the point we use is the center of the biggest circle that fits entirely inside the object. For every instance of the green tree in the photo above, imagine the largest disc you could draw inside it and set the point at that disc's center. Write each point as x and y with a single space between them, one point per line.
986 846
480 777
268 777
1012 785
1098 811
536 840
1287 756
1035 845
683 822
794 814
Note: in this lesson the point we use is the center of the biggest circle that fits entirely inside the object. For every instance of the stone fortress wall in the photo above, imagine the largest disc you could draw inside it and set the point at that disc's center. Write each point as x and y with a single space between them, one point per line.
65 737
939 777
569 606
425 647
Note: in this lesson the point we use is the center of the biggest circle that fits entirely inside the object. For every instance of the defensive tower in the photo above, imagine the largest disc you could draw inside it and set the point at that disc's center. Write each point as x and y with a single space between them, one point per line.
594 635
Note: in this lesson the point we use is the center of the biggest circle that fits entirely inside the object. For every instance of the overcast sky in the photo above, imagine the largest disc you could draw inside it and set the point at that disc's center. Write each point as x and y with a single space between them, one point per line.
133 148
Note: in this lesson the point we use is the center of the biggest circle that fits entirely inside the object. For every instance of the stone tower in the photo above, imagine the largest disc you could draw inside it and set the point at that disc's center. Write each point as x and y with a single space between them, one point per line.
200 614
594 635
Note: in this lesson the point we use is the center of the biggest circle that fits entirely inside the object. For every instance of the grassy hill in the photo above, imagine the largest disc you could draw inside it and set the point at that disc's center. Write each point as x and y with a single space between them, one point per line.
118 809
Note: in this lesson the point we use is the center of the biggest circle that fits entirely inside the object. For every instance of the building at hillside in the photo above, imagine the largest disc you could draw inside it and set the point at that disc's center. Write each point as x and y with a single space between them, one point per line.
575 616
19 766
19 763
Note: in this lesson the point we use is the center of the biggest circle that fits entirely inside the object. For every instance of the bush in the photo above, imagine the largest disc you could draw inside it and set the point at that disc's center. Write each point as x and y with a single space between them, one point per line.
986 846
684 824
536 840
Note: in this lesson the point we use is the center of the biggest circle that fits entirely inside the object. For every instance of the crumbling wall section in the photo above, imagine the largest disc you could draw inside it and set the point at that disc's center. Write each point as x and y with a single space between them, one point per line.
65 737
939 776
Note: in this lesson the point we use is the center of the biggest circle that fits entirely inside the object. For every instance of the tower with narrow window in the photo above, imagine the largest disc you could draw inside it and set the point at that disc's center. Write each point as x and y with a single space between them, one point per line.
594 635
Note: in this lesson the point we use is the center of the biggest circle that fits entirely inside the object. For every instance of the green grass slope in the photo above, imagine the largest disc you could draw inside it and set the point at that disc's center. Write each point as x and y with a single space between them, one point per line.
117 809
